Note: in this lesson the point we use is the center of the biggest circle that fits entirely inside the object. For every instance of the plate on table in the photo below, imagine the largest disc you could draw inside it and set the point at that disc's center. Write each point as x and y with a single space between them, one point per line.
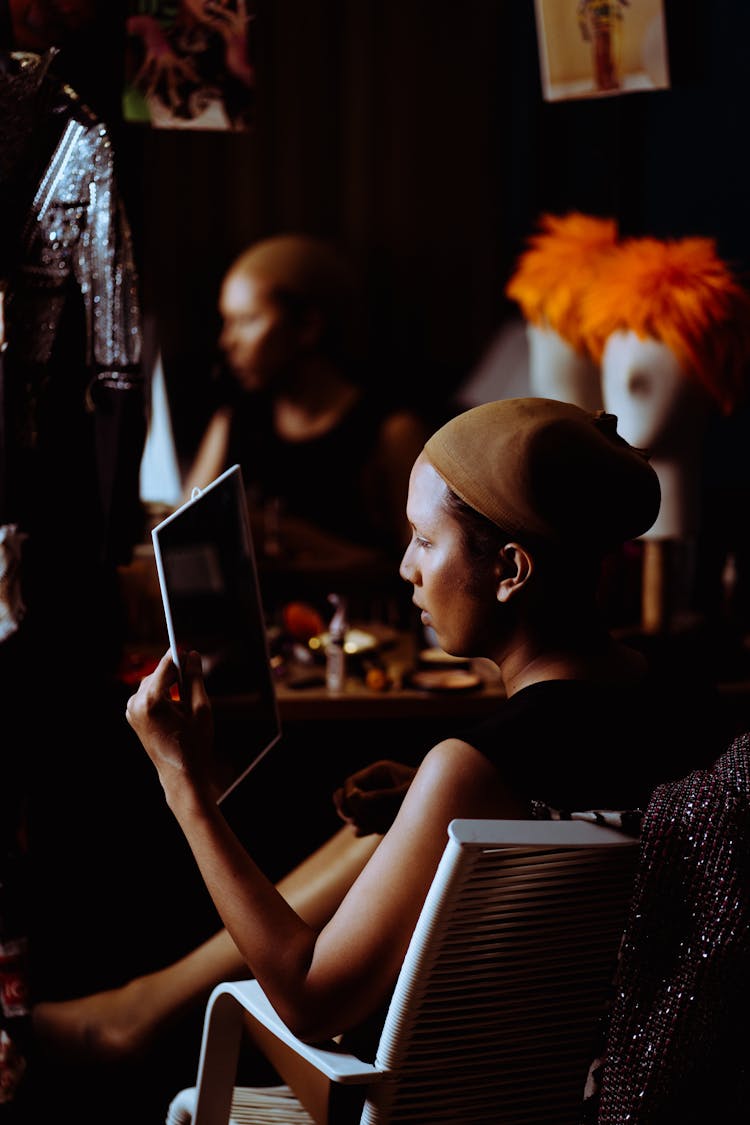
445 679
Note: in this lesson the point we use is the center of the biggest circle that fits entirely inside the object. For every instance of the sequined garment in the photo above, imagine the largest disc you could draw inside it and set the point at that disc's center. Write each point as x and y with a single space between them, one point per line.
77 228
74 405
678 1048
72 429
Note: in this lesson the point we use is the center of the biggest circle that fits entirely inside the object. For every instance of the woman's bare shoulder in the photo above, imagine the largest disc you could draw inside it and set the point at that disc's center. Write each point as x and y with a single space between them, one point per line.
457 777
210 458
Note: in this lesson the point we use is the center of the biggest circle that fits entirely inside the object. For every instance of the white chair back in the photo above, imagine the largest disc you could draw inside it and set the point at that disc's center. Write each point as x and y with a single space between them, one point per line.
509 968
493 1020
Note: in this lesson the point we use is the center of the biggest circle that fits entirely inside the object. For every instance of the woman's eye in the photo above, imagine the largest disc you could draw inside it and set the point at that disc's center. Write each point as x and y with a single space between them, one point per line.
421 542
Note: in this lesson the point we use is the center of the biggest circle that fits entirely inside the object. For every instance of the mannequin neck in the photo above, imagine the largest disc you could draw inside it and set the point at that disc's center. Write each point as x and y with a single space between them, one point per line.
679 512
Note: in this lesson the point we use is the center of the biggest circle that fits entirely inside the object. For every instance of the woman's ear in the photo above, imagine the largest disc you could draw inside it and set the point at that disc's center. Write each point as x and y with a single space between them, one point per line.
514 567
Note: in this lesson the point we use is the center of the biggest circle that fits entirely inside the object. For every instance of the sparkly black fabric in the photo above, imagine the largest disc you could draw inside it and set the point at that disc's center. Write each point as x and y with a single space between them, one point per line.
73 400
678 1047
72 429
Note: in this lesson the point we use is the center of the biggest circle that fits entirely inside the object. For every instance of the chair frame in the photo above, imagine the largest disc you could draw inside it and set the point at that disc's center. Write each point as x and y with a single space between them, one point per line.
542 907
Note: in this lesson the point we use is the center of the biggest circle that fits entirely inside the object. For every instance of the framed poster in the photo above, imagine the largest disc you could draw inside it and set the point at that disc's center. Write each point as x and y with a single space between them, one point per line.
188 64
599 48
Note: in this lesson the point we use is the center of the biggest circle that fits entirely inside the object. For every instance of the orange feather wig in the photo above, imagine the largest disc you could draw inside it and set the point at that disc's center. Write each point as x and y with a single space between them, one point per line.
682 294
562 261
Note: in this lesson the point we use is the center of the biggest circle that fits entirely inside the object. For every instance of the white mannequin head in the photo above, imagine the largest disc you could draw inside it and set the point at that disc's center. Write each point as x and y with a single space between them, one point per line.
561 261
661 409
557 370
670 327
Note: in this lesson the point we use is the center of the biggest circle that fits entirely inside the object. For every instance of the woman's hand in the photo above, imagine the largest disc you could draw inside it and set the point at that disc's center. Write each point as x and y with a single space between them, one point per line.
370 798
176 733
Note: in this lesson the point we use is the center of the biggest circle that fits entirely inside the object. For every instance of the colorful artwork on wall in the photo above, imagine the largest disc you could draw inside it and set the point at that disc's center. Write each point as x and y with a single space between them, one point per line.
188 64
600 48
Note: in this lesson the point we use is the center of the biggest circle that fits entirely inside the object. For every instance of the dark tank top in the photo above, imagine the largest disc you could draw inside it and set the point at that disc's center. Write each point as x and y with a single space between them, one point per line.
578 744
325 480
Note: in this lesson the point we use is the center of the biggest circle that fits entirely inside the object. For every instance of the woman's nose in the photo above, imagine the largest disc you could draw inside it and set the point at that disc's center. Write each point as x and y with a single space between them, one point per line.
406 569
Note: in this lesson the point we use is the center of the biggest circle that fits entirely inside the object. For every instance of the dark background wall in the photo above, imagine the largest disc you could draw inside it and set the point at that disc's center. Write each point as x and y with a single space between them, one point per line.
413 132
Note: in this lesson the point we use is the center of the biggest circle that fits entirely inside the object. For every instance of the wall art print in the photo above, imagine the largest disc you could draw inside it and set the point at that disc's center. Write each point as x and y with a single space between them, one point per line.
189 64
600 48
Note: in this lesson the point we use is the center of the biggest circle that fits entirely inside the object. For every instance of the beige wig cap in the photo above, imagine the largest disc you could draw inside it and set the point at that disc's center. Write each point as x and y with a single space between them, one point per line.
545 468
307 273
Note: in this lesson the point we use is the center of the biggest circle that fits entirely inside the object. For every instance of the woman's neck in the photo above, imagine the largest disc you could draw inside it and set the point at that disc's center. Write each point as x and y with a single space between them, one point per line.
313 400
592 655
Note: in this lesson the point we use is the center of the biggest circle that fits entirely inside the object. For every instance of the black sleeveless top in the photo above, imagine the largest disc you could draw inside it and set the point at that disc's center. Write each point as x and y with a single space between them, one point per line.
578 744
327 480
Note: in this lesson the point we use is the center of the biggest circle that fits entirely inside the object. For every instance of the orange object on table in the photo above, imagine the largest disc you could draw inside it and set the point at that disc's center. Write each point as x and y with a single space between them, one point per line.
301 621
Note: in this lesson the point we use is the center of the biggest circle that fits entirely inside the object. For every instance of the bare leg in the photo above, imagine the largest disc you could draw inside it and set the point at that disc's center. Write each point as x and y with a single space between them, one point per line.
122 1022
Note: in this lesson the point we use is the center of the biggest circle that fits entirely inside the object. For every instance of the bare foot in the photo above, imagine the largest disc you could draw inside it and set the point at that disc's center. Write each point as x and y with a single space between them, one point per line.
104 1027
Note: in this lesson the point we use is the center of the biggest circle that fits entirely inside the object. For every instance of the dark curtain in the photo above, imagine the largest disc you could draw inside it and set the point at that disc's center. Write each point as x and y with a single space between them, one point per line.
413 132
377 125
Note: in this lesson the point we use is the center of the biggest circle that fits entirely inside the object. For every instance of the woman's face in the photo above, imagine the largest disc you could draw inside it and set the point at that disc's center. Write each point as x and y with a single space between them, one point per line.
257 337
455 592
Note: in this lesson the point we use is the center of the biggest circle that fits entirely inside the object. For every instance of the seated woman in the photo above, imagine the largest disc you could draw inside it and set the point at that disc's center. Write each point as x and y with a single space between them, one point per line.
513 506
293 412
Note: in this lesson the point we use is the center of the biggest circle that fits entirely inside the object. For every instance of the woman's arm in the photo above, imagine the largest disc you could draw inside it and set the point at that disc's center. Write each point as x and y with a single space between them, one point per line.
211 458
326 982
